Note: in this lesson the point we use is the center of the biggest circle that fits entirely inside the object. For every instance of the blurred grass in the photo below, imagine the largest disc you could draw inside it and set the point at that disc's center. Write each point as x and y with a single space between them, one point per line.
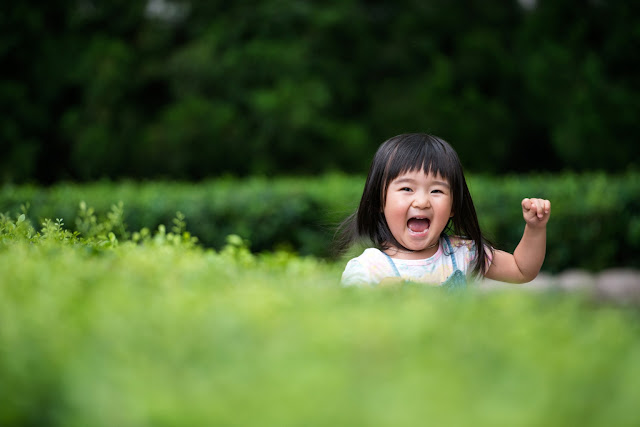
167 334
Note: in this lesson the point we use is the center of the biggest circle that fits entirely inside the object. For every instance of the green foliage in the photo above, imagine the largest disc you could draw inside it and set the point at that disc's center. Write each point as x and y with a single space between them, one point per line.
190 90
592 221
595 222
92 233
157 331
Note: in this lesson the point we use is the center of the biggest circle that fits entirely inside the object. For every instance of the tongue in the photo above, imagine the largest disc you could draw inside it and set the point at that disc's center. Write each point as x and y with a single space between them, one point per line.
418 225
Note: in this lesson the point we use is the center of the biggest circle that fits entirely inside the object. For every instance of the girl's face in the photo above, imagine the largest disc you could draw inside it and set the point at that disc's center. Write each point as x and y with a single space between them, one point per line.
417 209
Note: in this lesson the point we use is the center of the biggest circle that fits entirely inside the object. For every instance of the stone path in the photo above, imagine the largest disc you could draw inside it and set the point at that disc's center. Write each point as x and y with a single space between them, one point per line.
620 285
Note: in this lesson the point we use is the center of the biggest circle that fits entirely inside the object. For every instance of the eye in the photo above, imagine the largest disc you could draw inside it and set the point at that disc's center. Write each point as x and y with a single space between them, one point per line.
437 191
405 189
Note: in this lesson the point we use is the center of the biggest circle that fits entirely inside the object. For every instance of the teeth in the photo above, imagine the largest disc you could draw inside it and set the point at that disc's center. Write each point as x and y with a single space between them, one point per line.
418 225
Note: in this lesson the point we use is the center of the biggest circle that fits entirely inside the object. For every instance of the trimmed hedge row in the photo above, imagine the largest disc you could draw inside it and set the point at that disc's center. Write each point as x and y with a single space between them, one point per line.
595 221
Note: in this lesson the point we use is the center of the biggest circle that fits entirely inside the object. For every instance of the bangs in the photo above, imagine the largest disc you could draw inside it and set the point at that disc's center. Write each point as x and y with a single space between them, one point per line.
421 152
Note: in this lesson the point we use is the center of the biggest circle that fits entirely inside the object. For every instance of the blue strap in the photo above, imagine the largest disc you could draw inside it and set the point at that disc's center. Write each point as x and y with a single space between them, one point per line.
453 258
393 264
457 281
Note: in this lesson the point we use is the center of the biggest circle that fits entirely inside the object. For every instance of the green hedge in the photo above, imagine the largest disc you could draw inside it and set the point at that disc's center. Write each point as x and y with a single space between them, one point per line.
159 332
595 221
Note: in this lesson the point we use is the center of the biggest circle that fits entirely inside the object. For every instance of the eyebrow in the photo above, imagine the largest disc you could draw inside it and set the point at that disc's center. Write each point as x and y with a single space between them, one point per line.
413 181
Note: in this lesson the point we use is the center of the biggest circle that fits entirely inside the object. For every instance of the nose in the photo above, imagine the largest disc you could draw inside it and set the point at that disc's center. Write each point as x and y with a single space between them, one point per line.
421 201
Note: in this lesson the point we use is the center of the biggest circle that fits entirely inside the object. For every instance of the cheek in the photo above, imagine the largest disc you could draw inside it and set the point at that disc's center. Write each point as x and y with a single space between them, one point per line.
388 210
394 214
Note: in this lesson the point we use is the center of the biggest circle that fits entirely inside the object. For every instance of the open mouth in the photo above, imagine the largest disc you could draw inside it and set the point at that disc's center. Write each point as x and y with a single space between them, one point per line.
418 225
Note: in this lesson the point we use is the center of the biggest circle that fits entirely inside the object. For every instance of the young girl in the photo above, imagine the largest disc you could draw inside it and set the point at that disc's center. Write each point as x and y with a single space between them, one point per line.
417 212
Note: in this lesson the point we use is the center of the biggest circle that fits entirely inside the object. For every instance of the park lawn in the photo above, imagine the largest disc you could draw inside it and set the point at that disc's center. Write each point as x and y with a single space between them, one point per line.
163 332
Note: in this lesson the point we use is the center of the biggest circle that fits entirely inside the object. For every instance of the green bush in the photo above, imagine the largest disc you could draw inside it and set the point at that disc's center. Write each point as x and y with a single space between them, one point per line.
595 222
200 89
155 330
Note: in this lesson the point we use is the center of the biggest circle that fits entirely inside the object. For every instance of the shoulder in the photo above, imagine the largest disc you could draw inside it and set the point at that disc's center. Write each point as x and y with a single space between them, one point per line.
467 251
460 242
369 258
366 268
371 255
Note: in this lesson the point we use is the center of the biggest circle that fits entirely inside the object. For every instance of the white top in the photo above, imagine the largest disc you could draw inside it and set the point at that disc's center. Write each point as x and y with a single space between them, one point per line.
373 265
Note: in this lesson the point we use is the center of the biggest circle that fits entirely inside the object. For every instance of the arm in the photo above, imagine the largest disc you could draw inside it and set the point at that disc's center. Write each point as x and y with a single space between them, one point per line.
524 264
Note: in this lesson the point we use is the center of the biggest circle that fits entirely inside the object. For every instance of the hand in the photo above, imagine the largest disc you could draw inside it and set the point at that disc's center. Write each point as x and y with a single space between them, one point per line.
536 212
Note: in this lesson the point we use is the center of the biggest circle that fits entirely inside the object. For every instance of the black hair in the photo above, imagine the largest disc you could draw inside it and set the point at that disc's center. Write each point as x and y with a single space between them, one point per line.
407 153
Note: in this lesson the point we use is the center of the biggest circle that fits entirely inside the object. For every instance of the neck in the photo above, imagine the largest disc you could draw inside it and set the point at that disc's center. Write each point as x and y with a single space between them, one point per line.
423 253
405 251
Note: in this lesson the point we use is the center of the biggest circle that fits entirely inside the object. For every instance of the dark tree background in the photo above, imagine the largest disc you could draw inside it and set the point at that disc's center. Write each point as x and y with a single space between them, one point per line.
191 89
